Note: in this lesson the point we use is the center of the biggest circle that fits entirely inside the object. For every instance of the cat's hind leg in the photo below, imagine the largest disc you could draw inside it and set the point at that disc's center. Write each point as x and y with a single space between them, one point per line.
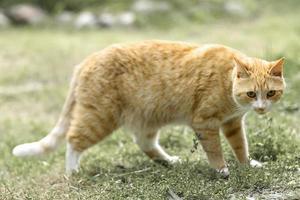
148 141
88 127
72 159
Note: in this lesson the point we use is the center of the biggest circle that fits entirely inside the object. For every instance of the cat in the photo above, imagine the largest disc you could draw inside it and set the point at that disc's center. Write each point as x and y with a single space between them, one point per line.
146 85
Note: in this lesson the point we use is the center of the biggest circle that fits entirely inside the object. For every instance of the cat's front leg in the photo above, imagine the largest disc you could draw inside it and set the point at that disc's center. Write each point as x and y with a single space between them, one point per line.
210 141
235 135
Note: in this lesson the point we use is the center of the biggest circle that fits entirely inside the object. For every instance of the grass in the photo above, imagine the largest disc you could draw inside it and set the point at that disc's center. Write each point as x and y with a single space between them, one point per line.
36 65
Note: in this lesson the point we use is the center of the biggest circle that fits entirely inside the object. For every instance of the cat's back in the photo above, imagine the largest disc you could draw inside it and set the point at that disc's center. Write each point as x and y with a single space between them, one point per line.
160 55
154 54
155 80
150 52
140 59
161 46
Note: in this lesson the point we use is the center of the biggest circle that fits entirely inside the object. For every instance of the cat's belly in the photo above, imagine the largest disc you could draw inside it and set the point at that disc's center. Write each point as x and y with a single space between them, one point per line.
153 119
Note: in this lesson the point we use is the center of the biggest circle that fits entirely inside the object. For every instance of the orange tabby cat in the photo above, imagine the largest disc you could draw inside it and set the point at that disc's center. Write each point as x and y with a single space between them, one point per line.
146 85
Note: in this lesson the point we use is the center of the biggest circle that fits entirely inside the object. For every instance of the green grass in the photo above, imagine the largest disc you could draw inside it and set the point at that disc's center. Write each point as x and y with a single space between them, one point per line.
35 68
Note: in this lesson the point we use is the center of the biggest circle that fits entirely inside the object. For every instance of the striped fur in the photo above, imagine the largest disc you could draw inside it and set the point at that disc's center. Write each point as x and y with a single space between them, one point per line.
147 85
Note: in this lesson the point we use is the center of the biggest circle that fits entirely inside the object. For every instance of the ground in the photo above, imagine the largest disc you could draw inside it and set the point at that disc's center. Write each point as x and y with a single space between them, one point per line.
36 65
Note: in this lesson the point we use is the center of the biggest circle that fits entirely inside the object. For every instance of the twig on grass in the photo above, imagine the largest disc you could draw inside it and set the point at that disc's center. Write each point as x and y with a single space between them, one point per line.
171 195
134 172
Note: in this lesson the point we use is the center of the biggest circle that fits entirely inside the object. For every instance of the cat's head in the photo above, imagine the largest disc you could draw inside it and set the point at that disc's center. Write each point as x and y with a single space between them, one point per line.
257 84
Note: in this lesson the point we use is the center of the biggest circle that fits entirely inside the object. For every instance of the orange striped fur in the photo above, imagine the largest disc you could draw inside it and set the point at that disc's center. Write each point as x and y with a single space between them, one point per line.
147 85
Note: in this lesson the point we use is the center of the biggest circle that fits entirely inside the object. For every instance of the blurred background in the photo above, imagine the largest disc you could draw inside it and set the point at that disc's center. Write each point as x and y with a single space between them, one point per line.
129 13
42 40
101 14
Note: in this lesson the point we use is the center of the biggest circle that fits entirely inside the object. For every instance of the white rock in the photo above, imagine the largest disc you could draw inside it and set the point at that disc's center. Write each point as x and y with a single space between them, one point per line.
86 20
4 21
107 20
235 8
127 19
65 17
26 14
146 6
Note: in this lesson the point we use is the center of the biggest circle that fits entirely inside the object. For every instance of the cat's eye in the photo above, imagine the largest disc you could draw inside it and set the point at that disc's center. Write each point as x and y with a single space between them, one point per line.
251 94
271 93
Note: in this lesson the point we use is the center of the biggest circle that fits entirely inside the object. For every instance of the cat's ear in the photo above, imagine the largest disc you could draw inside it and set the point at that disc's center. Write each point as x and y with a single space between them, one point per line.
241 68
277 68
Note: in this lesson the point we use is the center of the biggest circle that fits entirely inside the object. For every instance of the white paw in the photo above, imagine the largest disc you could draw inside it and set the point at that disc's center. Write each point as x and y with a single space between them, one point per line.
174 159
71 171
223 172
255 163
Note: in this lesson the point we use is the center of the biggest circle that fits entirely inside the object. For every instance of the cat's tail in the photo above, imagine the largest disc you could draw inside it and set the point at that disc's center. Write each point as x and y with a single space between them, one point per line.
58 133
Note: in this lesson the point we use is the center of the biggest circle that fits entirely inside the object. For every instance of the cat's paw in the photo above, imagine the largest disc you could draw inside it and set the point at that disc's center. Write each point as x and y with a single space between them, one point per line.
169 161
72 171
174 160
255 163
224 172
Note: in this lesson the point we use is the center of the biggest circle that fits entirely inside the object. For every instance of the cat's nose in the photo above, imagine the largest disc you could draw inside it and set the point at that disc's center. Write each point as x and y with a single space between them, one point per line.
260 110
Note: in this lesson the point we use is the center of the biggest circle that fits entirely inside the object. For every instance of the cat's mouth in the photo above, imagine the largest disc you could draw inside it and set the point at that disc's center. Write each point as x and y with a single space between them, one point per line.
260 111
